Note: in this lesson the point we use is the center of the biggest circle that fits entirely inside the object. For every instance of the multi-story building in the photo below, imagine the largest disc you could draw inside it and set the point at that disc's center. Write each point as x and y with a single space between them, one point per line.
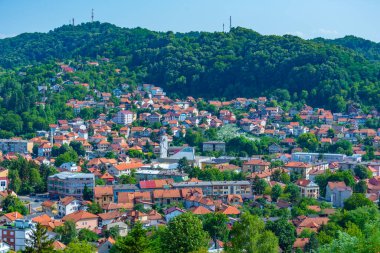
313 157
17 234
68 205
255 165
308 188
3 179
124 117
16 146
70 184
218 146
217 188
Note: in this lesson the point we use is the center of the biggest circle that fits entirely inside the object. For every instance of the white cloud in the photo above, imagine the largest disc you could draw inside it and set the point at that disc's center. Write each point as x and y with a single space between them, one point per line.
3 35
326 32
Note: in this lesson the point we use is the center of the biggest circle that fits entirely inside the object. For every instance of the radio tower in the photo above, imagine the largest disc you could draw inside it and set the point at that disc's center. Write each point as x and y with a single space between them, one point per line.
230 23
92 15
73 22
223 27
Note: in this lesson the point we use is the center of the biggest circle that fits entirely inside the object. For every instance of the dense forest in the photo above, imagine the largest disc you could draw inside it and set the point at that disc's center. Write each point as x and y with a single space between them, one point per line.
239 63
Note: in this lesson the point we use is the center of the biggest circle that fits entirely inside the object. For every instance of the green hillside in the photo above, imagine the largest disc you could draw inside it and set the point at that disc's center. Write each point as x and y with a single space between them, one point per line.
239 63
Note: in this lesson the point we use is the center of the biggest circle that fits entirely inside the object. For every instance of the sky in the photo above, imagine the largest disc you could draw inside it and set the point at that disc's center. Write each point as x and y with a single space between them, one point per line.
304 18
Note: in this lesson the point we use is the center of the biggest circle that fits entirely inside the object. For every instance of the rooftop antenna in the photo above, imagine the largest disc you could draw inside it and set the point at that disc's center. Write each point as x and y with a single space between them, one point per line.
230 23
92 15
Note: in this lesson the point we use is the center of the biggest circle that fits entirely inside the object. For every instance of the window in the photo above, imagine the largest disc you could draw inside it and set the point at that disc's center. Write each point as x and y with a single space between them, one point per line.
2 183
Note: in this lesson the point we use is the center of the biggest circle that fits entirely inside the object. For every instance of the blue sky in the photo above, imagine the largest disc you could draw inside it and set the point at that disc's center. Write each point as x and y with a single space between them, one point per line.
305 18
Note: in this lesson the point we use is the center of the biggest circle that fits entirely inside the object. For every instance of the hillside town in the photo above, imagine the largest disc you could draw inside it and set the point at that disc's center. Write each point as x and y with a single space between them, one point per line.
147 158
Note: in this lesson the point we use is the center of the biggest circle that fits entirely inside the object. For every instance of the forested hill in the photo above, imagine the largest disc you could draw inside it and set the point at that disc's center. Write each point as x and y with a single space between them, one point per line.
238 63
367 48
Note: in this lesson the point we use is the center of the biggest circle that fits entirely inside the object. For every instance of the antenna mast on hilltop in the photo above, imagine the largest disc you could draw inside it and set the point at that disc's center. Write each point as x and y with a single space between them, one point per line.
73 22
223 27
92 15
230 23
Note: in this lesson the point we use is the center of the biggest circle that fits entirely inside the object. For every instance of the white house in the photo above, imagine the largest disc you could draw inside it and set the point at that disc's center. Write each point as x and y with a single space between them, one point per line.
68 205
124 117
69 166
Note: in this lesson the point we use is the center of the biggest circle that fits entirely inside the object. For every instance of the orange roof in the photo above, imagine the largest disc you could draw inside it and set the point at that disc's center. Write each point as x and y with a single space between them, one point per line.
257 162
100 191
128 166
200 210
110 215
333 185
67 200
230 210
172 193
298 164
107 176
79 215
300 243
57 245
13 216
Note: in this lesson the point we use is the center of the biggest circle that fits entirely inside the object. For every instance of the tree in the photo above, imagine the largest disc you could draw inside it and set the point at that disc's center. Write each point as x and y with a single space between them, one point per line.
361 187
308 141
313 244
216 226
184 165
127 179
259 185
82 247
78 147
183 234
362 172
69 156
87 235
276 192
67 232
87 193
135 242
249 235
285 232
357 200
294 193
94 208
14 204
39 241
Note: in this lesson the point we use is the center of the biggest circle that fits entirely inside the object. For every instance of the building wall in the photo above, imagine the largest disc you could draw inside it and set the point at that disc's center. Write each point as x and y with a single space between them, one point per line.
88 223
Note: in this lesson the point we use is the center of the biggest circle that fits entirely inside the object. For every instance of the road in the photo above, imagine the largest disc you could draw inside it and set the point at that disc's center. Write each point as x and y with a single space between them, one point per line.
35 201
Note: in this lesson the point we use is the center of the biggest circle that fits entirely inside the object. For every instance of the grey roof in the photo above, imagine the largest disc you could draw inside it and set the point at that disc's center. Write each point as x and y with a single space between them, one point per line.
209 183
68 175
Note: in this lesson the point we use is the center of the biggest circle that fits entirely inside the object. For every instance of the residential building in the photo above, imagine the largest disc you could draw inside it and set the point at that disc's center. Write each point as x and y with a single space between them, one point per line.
83 219
124 117
255 165
301 168
337 193
16 146
69 184
217 188
103 195
68 205
17 234
214 146
313 157
308 188
4 181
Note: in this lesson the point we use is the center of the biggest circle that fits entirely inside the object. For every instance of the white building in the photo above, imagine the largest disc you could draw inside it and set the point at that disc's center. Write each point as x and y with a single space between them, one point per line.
124 117
68 205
